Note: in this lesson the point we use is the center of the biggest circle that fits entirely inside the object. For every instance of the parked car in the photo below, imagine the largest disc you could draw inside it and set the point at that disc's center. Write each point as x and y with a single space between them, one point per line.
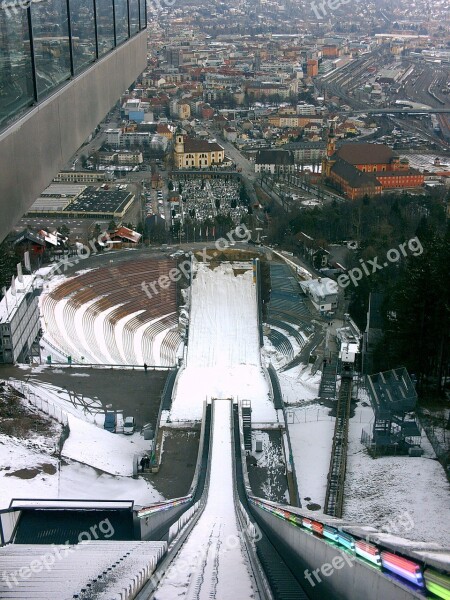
129 425
110 422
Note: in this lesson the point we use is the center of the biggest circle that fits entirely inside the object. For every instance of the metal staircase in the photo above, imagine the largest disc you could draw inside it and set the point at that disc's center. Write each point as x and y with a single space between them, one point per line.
247 423
334 497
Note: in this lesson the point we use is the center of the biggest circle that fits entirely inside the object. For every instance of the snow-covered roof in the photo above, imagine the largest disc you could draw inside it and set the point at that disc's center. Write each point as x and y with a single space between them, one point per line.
128 234
71 504
320 288
14 297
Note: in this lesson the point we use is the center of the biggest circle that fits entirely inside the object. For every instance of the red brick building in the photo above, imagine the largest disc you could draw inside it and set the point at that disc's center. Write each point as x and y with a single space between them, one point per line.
368 169
330 51
312 67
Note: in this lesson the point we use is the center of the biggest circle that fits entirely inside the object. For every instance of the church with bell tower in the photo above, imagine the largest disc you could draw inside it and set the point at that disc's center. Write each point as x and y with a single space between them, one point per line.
197 154
361 169
327 161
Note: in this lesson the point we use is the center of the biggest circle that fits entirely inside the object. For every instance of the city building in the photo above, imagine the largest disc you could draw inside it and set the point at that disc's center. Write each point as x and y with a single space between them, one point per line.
164 130
367 169
262 89
274 161
331 51
126 157
117 138
312 67
288 120
125 235
19 319
80 176
307 152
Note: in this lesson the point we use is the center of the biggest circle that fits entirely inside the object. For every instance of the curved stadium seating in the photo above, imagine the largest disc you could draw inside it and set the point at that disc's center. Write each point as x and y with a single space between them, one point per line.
108 318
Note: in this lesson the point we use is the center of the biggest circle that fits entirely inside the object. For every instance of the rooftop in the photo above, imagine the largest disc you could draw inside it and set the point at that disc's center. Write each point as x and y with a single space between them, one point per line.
353 176
320 288
14 296
392 391
193 145
274 157
365 153
101 201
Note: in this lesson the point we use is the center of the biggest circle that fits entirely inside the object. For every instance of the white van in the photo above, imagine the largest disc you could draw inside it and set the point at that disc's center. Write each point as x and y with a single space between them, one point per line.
129 425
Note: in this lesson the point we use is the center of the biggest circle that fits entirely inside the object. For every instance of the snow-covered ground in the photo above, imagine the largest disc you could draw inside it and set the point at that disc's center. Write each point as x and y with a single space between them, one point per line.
45 395
73 480
311 431
211 562
277 358
223 358
109 452
271 459
378 491
298 385
95 463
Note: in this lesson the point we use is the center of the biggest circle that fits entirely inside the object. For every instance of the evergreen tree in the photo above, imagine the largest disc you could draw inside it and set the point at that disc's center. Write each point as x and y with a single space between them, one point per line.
8 262
418 312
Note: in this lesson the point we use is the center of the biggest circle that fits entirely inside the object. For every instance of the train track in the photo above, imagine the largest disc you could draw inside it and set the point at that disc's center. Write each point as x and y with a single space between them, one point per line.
334 498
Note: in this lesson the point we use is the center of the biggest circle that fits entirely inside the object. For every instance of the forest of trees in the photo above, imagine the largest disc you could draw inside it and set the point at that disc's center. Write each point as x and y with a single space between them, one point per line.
416 289
416 312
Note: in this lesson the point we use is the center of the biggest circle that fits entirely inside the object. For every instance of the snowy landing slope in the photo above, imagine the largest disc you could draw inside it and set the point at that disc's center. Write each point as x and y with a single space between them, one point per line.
223 359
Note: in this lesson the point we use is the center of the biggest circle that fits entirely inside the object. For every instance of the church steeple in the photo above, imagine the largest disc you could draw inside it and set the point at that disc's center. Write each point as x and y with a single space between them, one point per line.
327 162
331 144
179 143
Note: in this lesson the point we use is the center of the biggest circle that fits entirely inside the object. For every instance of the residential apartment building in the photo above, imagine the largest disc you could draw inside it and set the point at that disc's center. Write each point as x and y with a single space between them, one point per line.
307 151
19 320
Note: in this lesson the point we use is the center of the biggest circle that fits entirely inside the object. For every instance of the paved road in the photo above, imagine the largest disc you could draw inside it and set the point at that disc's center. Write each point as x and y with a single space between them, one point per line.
135 392
248 168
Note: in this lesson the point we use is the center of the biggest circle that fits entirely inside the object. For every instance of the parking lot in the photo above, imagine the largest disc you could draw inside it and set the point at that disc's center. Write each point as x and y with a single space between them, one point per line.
135 392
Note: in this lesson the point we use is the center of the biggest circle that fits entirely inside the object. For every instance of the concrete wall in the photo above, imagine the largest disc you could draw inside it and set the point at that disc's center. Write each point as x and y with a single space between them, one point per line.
352 581
35 148
151 528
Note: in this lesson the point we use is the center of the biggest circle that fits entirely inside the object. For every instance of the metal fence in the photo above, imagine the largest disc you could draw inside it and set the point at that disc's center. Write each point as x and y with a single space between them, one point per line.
308 416
438 436
52 410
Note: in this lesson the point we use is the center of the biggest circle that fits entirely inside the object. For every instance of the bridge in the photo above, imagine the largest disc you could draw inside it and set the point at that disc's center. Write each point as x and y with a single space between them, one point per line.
398 111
